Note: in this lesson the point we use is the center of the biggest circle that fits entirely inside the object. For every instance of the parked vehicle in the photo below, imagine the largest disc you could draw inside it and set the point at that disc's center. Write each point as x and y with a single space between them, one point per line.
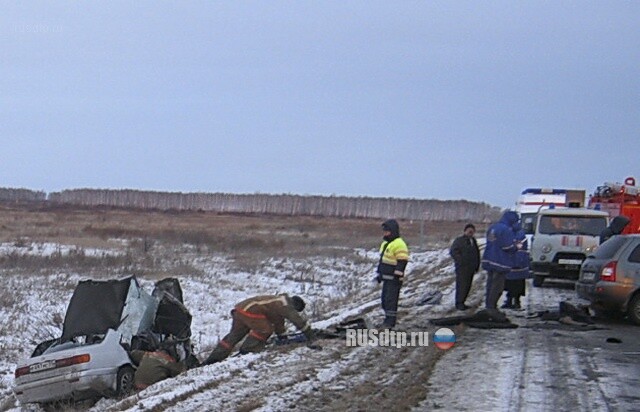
562 239
610 277
534 199
103 321
619 199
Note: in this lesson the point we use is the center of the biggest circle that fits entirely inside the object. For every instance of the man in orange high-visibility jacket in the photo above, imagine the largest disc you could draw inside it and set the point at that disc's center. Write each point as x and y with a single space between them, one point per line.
259 317
394 256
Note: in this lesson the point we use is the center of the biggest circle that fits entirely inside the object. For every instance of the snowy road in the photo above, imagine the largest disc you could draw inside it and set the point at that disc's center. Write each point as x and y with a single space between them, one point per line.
541 366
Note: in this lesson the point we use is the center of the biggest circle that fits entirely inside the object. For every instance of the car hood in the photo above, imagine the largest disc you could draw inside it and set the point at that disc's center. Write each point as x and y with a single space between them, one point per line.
618 224
97 306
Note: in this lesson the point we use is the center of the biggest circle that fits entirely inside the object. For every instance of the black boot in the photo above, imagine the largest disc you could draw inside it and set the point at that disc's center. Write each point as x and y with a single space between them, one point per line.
516 303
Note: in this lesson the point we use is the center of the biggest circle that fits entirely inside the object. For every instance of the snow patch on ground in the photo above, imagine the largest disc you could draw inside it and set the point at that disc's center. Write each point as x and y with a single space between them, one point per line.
47 249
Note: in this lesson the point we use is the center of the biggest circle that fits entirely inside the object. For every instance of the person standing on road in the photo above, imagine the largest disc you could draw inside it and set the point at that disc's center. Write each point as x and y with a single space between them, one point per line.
515 284
394 256
259 317
499 256
466 256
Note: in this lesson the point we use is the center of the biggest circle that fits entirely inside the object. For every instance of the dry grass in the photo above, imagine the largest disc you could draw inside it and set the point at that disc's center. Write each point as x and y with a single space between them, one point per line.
148 239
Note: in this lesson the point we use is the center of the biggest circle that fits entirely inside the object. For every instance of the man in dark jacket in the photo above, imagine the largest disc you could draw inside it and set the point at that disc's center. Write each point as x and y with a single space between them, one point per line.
394 255
259 317
616 226
499 256
466 256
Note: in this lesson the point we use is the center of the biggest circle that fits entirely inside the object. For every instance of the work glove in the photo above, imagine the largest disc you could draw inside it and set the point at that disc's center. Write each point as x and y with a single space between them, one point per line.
309 334
378 278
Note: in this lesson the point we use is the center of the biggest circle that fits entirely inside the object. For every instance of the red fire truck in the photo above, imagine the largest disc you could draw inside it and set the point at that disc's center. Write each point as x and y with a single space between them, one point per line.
619 199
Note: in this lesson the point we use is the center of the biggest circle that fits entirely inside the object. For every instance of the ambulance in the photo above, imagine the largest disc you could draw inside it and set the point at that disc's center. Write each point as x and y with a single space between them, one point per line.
532 200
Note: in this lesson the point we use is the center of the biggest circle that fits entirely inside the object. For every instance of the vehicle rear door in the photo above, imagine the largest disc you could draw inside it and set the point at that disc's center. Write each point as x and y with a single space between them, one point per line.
632 263
592 266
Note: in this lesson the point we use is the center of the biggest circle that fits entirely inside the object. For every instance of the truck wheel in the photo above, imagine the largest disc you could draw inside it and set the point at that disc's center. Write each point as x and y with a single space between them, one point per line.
124 384
634 309
538 280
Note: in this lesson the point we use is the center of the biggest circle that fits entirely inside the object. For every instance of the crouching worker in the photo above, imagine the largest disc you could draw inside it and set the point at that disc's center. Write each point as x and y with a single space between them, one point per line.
156 366
259 317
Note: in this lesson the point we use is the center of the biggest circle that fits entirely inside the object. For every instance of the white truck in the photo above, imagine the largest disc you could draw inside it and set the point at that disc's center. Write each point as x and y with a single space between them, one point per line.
562 239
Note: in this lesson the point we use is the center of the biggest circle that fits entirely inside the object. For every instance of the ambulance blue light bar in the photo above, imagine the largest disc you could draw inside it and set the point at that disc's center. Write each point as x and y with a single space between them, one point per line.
542 191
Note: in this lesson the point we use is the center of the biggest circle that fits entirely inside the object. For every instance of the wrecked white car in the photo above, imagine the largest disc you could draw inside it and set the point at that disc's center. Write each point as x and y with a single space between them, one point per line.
104 320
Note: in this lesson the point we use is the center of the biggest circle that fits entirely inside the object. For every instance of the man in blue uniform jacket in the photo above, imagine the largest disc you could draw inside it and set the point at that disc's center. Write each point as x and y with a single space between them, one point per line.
499 256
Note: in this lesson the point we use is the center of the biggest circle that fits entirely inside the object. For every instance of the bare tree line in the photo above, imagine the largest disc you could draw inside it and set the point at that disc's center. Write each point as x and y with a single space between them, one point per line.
282 204
21 195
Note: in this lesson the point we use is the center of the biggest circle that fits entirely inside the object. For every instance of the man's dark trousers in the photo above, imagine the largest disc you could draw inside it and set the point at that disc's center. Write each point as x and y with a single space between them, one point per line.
464 279
390 295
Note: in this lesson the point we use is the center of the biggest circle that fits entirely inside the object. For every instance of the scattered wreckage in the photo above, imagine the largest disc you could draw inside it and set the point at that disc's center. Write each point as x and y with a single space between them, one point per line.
568 316
104 321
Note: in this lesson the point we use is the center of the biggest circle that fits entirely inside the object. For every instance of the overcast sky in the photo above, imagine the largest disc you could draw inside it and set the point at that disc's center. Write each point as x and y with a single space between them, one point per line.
422 99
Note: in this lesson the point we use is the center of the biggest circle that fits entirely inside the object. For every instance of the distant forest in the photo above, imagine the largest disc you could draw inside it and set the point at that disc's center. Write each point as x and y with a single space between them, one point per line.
282 204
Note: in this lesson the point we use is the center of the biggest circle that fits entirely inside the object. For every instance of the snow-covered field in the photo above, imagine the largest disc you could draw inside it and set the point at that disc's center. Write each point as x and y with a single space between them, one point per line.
334 288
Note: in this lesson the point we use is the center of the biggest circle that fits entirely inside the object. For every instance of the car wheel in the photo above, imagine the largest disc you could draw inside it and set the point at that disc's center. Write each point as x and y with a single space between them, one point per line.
124 384
538 280
634 309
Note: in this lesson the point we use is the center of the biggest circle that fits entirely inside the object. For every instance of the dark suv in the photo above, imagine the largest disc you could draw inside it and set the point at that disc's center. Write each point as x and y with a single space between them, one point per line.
610 277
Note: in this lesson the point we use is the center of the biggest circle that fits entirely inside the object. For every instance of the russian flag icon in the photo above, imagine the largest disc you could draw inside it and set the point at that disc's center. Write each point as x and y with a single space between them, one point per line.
444 338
